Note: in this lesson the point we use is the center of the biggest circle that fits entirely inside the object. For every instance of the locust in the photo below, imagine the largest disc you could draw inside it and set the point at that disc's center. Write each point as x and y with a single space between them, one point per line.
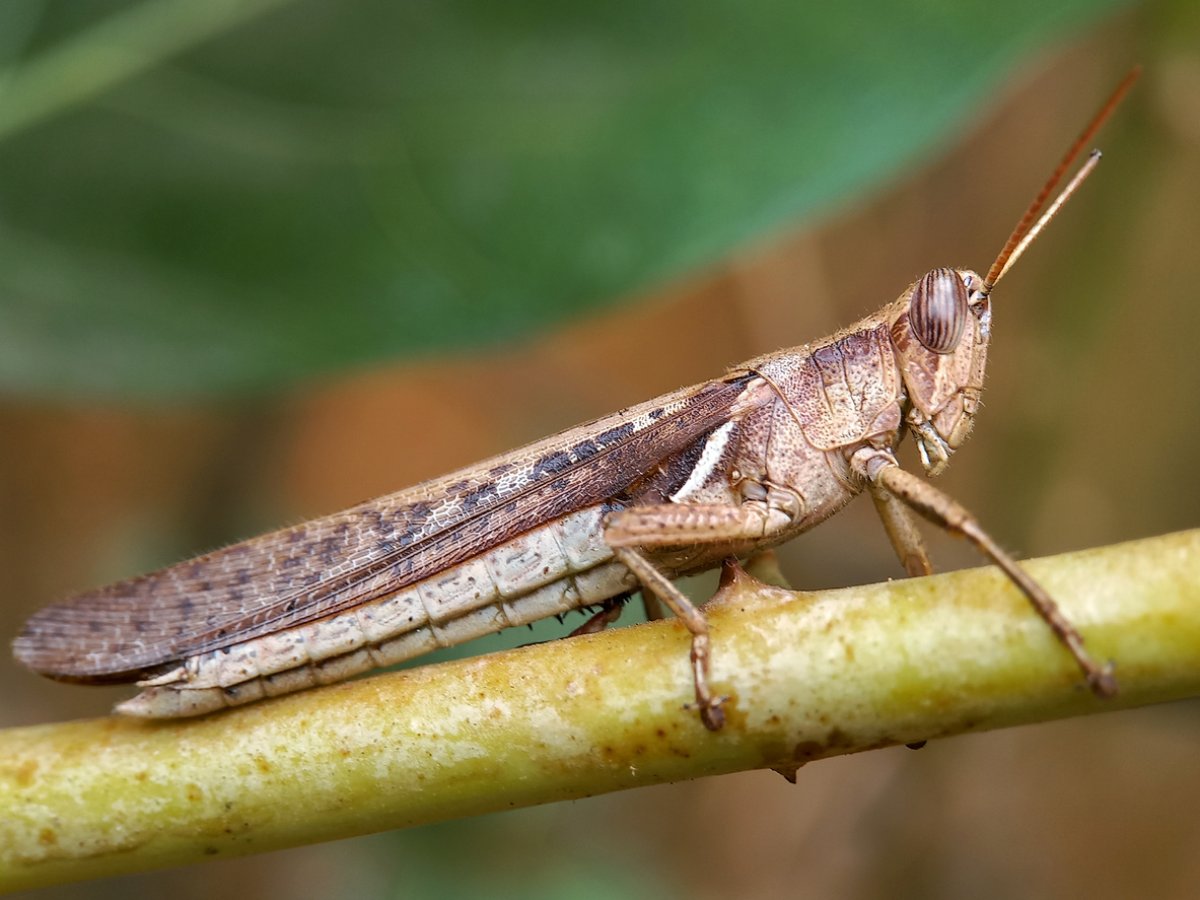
717 471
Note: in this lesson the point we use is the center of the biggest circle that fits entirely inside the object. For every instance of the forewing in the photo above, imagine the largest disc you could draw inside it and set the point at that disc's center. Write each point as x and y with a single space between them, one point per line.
313 570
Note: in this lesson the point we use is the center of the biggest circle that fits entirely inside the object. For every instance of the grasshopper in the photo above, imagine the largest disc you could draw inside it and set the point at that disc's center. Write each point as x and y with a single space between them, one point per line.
719 470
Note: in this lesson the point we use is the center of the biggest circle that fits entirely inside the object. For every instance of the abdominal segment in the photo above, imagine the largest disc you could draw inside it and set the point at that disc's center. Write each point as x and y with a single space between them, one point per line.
553 569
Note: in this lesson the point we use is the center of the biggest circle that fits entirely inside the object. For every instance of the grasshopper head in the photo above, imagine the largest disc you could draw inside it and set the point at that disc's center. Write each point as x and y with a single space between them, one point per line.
941 325
941 334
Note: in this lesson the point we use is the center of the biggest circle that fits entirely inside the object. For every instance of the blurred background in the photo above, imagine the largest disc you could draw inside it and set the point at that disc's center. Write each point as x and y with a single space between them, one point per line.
261 261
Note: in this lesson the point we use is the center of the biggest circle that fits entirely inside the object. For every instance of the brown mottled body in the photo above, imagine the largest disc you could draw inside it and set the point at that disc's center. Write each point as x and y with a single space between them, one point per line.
128 630
757 457
722 469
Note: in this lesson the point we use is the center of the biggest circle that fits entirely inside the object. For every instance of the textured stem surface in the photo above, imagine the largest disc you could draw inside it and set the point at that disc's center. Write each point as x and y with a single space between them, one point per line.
808 675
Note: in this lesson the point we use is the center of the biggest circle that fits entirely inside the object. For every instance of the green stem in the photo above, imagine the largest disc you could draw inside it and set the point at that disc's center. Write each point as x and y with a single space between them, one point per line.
808 676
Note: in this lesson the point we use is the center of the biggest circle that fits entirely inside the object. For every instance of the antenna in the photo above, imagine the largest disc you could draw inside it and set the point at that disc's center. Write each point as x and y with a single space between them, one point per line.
1030 225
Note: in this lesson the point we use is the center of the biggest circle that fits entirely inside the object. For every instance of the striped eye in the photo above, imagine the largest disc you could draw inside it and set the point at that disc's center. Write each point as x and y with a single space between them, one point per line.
937 311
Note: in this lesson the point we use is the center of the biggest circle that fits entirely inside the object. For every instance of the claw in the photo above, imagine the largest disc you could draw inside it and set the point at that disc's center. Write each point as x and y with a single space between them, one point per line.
1103 681
711 713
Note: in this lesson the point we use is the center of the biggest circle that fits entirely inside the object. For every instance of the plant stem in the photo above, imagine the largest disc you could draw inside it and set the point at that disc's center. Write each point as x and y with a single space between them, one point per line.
809 675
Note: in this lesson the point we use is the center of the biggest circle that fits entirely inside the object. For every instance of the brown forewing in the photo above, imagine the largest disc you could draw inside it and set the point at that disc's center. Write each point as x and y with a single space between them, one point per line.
296 575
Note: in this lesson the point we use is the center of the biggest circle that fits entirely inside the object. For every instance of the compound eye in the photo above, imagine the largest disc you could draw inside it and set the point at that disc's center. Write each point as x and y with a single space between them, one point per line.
938 310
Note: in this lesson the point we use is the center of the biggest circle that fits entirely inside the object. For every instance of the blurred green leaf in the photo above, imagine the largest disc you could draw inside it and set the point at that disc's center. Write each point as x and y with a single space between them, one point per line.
335 183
